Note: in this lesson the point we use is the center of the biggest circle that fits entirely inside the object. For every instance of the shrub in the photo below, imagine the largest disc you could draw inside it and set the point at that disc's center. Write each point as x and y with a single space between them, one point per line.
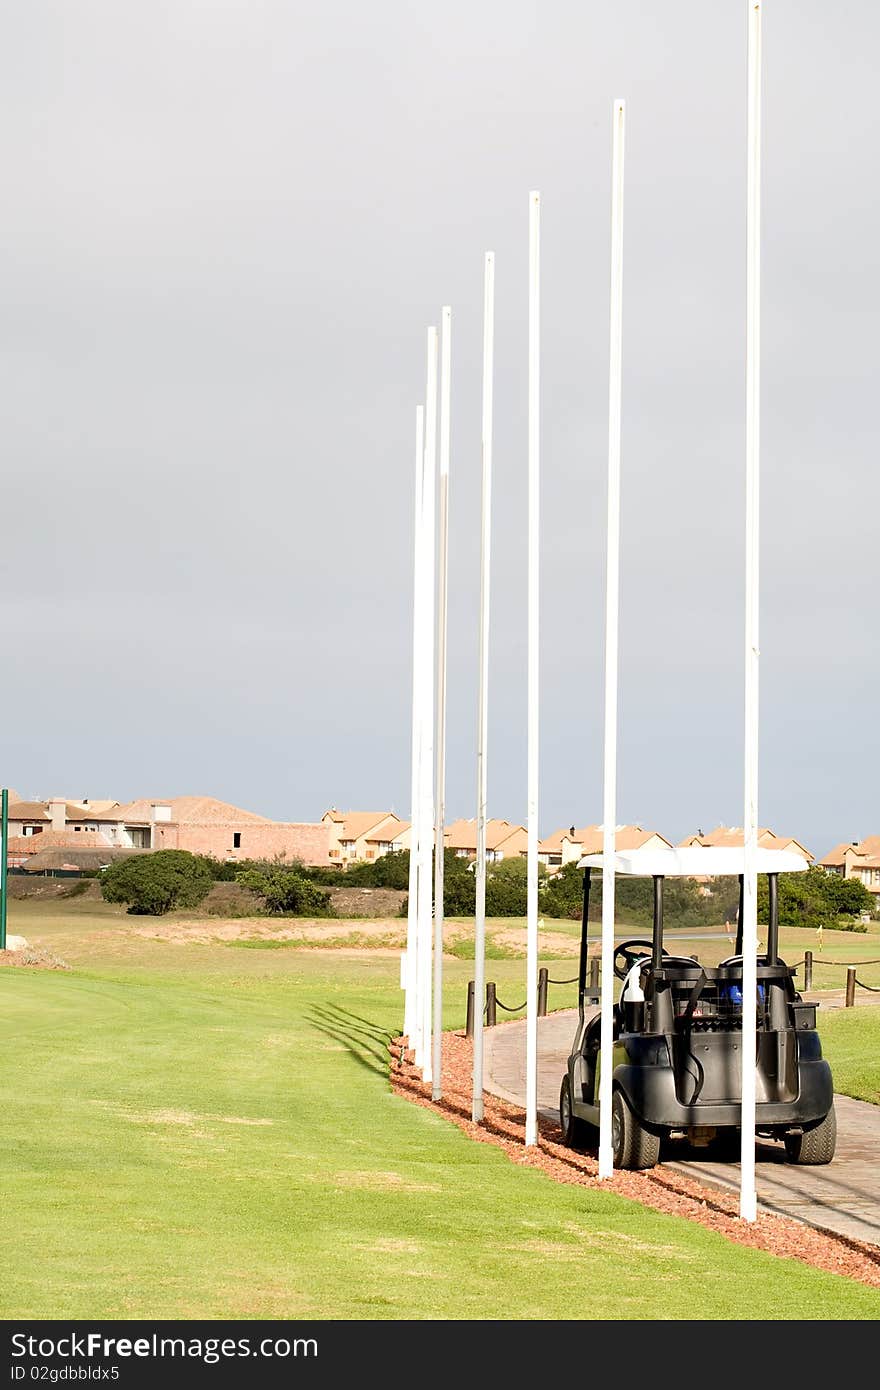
286 890
388 871
152 884
816 898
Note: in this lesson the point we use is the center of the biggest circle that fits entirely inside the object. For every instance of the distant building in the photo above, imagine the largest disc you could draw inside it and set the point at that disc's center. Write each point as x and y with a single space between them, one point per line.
568 846
503 840
731 837
859 859
200 824
364 835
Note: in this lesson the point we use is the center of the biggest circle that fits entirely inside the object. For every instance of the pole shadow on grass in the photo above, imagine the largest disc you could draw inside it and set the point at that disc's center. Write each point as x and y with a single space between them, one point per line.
368 1046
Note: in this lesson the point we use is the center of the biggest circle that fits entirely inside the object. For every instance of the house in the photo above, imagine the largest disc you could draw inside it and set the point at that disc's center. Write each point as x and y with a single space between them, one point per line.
75 858
200 824
56 824
858 859
364 835
503 840
731 836
568 846
205 825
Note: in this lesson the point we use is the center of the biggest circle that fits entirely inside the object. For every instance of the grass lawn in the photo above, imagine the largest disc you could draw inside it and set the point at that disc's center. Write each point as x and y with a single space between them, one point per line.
203 1131
851 1042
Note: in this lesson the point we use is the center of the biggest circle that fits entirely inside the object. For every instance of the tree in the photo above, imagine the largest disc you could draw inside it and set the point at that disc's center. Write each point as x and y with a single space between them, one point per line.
506 888
563 894
153 884
286 890
816 897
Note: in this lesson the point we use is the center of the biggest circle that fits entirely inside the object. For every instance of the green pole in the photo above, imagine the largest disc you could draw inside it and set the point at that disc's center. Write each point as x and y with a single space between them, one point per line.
4 854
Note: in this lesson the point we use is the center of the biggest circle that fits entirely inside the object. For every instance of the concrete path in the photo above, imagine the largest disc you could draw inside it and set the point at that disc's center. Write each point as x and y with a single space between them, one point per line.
843 1197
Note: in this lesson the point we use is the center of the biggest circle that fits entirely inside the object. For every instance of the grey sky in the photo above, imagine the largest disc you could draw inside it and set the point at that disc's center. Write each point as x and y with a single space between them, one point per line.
225 227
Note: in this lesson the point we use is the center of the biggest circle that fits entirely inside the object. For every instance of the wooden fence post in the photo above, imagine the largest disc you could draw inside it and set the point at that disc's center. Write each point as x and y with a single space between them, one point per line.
491 1004
850 986
543 982
469 1025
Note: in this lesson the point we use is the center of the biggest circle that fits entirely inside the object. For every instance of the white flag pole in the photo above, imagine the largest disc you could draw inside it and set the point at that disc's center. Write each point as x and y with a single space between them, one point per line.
483 696
534 562
612 607
442 606
748 1201
409 972
426 811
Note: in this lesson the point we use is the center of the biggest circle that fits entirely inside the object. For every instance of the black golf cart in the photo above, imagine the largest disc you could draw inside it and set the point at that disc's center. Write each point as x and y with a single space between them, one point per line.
678 1034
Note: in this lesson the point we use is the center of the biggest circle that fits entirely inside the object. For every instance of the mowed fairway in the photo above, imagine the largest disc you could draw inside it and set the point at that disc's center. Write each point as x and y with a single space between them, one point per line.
208 1131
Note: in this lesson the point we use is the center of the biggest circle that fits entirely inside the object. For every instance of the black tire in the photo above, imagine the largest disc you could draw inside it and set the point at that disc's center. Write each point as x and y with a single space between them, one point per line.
816 1145
633 1145
575 1132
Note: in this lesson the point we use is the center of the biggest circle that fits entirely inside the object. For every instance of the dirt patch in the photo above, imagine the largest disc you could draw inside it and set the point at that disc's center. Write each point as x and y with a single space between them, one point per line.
554 943
367 902
33 959
27 886
304 931
231 900
504 1126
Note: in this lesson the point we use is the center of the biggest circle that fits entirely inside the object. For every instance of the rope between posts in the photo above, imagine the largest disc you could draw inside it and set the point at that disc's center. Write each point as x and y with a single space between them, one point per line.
572 981
515 1010
819 959
874 989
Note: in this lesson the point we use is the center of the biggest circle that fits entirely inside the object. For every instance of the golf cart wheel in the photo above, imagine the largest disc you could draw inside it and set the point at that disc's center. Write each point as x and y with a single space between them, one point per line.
575 1132
633 1145
815 1145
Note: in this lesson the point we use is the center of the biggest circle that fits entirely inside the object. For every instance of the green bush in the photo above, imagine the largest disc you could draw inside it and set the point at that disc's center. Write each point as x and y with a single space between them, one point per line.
817 898
152 884
389 871
286 890
684 902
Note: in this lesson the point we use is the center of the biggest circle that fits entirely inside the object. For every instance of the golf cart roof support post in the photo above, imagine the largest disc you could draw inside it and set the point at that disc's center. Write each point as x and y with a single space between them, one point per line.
773 920
658 921
585 933
483 695
612 621
738 948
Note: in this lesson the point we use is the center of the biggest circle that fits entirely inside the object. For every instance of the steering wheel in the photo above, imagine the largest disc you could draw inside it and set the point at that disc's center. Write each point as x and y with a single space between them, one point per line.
630 952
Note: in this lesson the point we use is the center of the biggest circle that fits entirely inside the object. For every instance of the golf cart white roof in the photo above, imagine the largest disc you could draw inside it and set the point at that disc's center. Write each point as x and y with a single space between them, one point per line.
694 860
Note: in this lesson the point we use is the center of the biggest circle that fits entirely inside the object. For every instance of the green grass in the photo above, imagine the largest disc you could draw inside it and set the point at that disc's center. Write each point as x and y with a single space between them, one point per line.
851 1042
198 1131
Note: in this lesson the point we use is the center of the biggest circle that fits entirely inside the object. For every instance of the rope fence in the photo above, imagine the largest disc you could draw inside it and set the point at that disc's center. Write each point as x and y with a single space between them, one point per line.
493 1003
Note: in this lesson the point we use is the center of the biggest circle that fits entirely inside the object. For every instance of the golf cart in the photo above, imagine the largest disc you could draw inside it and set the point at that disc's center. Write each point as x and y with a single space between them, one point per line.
678 1033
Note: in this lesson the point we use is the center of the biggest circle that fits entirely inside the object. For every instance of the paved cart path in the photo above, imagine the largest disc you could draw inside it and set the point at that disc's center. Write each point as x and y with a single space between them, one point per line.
843 1197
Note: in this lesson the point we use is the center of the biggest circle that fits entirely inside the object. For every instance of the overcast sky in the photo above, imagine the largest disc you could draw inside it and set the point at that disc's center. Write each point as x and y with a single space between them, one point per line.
225 226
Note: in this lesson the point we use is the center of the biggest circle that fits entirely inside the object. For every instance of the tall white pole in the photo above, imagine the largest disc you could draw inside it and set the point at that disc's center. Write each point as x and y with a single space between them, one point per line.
533 665
612 610
410 967
748 1200
442 606
483 696
426 812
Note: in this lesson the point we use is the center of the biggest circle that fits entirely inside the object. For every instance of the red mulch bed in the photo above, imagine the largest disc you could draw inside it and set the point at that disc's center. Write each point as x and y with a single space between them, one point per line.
659 1188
